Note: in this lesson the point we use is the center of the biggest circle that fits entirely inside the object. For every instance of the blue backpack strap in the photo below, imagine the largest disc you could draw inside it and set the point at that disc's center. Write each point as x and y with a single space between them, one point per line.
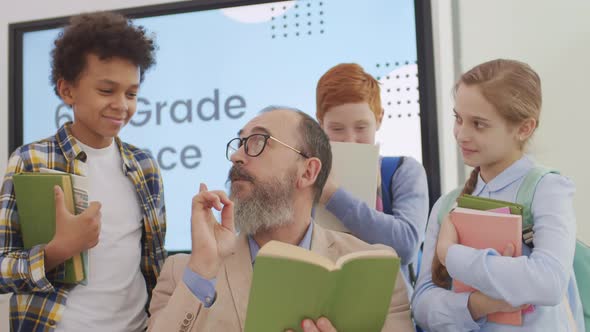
448 203
388 167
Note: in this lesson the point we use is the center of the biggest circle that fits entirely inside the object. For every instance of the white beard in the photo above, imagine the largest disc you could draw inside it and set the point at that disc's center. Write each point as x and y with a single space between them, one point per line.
269 206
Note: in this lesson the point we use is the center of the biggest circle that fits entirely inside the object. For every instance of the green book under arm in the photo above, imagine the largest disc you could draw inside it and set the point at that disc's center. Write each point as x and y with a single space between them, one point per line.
291 283
35 203
485 204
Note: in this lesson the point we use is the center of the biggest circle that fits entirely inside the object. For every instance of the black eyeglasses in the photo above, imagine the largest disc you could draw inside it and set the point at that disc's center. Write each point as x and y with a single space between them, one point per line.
254 145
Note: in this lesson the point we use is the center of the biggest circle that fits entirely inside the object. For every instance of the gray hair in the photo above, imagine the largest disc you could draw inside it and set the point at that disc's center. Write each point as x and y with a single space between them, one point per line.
315 144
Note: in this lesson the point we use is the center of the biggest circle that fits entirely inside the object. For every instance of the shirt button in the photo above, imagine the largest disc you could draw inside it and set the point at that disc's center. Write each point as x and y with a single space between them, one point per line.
208 300
51 322
189 316
185 322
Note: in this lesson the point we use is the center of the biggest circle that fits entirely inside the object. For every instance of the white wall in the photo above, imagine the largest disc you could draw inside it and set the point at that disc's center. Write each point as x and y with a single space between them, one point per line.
446 64
554 38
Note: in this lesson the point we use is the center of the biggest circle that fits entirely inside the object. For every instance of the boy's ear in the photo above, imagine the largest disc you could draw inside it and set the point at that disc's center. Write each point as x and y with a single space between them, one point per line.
64 88
380 119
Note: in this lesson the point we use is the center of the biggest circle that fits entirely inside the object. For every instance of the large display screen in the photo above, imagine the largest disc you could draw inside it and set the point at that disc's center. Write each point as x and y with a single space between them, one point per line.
217 68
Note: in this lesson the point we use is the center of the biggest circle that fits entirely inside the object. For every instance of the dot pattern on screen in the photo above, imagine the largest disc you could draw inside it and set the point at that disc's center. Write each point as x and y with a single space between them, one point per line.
399 88
400 93
306 18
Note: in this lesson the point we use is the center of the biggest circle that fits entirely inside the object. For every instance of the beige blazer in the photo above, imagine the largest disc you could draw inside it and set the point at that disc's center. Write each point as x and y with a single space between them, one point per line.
175 308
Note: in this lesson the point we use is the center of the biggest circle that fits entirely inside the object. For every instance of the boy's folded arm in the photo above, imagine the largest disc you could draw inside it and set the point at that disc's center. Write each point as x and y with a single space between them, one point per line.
21 270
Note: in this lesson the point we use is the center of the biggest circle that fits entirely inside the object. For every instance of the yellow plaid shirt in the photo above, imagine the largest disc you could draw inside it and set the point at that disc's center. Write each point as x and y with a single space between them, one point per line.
37 303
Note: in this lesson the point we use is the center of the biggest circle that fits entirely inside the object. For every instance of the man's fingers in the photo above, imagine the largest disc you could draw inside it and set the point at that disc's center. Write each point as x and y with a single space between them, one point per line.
204 200
309 326
325 325
227 216
222 196
212 199
322 325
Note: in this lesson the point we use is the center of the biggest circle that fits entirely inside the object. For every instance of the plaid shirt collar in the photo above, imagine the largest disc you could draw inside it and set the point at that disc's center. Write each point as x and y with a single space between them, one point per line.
72 150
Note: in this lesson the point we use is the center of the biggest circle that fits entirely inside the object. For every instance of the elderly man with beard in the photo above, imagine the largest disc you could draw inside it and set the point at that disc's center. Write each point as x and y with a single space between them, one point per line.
281 161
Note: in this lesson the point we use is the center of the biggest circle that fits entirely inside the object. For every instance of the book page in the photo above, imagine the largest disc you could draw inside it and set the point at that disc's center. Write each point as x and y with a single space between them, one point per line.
380 253
354 168
279 249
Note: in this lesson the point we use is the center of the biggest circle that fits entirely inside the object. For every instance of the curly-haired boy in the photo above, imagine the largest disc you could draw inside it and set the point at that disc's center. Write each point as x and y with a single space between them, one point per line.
98 63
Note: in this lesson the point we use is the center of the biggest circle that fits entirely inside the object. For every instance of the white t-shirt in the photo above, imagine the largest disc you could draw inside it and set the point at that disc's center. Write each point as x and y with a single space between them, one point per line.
115 297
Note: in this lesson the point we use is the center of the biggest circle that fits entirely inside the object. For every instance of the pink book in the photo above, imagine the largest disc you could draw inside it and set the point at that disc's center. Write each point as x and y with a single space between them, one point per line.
489 229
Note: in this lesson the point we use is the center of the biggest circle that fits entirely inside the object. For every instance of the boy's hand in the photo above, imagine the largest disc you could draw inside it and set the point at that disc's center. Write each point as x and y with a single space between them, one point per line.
73 233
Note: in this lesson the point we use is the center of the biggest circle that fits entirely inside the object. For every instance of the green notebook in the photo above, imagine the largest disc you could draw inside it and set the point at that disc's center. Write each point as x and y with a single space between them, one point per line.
484 204
35 202
291 283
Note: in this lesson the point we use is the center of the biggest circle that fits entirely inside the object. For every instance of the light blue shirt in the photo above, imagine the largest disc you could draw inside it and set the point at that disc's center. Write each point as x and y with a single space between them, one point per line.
542 277
204 289
404 230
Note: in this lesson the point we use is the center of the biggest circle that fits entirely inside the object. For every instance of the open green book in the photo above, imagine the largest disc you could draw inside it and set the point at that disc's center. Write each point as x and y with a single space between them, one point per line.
291 283
35 202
